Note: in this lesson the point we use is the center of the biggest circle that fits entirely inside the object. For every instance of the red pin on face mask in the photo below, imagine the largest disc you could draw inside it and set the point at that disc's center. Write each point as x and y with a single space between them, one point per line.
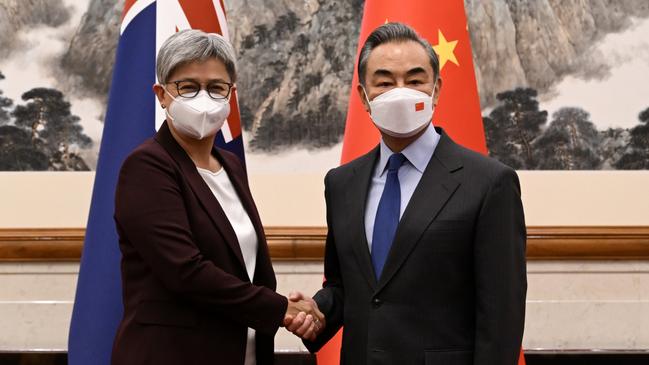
401 112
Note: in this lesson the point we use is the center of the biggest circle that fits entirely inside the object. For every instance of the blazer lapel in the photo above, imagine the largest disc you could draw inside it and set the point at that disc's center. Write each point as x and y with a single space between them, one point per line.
207 200
436 186
356 199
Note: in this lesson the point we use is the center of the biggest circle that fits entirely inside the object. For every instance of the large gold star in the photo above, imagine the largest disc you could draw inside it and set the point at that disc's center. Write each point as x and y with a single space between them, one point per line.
444 50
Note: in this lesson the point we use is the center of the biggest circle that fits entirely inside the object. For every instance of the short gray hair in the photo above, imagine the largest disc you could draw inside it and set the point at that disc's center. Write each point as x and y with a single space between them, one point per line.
393 32
193 45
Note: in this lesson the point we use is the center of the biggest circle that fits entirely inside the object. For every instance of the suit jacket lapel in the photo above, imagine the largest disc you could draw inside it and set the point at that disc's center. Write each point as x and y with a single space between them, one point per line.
356 199
205 196
436 186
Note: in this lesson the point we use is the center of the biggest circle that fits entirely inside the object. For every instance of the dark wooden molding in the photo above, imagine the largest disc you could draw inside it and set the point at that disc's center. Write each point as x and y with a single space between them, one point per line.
39 244
296 243
588 243
307 243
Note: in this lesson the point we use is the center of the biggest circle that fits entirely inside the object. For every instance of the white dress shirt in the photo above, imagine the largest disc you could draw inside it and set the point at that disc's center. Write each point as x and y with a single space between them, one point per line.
417 154
227 196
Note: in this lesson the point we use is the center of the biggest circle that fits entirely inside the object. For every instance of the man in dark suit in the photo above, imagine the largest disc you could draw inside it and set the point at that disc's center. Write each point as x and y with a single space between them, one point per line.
425 252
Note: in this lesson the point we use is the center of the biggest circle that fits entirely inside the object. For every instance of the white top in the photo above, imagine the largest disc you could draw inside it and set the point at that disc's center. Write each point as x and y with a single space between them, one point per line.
227 196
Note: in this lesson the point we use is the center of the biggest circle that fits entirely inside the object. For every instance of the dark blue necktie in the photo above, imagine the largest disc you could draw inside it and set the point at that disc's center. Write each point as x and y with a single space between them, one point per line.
387 215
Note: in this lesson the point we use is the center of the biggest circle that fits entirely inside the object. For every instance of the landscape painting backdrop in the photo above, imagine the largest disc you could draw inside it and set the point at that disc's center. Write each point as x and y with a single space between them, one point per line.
564 85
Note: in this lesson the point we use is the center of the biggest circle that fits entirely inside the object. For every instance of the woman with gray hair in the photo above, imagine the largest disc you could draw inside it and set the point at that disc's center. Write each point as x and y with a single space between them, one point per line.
198 284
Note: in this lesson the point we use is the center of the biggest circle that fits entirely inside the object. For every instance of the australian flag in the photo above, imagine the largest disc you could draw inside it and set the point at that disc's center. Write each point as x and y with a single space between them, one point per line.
133 115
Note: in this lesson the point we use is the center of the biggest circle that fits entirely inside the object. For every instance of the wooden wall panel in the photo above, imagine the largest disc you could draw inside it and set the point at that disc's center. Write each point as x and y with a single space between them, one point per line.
307 243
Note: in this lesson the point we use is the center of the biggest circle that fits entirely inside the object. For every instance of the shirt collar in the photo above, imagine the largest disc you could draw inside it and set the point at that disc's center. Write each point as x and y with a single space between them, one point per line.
418 153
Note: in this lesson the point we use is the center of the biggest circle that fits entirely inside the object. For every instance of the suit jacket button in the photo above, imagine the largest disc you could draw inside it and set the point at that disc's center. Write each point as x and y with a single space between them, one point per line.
376 302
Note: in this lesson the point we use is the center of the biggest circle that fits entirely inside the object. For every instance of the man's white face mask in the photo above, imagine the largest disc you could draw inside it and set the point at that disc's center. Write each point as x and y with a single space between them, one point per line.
401 112
198 117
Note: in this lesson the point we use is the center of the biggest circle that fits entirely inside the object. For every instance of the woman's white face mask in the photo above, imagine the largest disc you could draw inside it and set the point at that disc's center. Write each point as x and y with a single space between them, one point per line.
198 117
401 112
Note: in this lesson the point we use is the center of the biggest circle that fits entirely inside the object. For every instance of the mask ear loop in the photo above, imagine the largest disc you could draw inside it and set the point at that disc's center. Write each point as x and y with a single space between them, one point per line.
432 96
369 106
168 106
432 104
168 93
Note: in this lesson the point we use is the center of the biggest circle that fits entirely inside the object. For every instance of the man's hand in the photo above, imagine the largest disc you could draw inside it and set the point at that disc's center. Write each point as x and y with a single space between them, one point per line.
303 317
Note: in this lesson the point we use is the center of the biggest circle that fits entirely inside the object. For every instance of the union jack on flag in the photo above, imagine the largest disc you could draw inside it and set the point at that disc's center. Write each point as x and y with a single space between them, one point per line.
133 115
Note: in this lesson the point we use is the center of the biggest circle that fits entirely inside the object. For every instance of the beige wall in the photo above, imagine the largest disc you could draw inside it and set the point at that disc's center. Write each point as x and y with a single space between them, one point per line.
44 199
598 305
570 305
50 199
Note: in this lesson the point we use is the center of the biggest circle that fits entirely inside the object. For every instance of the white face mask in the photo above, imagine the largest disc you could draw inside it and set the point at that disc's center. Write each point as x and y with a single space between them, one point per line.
401 112
198 117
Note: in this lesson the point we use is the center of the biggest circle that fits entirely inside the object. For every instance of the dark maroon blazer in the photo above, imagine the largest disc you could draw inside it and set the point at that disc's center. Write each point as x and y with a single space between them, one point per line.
187 297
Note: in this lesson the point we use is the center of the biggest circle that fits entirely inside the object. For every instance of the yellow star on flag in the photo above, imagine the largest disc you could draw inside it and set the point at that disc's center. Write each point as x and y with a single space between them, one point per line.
444 50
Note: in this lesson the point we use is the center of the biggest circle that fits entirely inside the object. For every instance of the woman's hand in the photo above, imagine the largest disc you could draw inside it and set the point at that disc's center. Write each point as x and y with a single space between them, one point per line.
303 317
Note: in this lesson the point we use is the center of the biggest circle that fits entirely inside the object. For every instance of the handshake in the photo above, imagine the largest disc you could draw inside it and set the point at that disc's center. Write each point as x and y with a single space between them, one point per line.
303 318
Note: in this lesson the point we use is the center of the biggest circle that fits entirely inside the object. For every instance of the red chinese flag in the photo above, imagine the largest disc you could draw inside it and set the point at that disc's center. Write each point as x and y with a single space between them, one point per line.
443 23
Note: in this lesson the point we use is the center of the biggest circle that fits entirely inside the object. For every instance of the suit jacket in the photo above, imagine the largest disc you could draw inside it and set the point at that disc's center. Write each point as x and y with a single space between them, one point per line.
453 287
187 297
